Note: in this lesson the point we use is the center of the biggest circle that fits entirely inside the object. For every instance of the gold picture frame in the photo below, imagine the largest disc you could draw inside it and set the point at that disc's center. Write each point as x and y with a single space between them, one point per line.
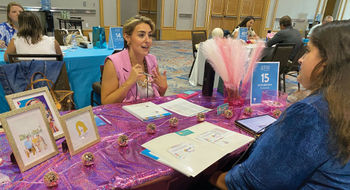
80 130
29 97
29 135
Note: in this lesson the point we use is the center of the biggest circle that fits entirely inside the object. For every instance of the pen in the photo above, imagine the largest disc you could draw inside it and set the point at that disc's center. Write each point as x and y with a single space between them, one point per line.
147 74
106 120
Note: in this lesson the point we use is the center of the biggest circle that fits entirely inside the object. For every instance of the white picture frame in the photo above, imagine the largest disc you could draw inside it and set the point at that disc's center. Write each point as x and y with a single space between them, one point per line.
80 130
29 97
29 135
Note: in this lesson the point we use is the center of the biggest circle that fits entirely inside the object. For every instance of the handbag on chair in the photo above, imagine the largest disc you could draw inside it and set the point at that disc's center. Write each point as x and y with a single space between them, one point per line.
62 98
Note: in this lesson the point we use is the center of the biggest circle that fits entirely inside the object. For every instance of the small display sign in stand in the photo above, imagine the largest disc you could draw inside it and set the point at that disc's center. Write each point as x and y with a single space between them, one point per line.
116 40
265 78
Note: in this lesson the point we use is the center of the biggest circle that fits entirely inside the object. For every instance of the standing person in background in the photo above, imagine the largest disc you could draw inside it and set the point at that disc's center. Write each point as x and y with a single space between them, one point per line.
29 39
249 23
9 28
326 19
308 147
133 73
287 34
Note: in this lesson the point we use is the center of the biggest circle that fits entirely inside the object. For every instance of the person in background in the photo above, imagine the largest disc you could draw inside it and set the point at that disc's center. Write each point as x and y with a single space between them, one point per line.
308 146
249 23
217 32
326 19
9 28
287 34
29 39
133 73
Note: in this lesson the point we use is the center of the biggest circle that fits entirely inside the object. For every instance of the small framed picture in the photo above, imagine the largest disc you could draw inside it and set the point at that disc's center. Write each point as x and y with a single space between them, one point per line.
29 135
80 130
39 95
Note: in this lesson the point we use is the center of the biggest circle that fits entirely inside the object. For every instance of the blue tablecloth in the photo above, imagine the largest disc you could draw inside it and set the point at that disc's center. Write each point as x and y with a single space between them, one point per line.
83 67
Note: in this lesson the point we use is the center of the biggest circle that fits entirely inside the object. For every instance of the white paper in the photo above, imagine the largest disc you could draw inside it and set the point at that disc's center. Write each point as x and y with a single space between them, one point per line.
193 153
146 111
184 107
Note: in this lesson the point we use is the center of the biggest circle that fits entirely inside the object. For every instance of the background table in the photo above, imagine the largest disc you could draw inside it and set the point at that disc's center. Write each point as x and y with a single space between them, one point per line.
117 167
83 68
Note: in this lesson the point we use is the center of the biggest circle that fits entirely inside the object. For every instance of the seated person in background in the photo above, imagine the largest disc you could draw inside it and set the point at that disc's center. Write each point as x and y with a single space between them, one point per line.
326 19
9 28
217 32
247 22
133 73
29 39
308 146
287 34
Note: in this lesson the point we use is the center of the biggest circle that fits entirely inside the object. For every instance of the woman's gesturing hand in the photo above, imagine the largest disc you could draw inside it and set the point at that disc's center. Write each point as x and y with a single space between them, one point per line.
160 80
136 73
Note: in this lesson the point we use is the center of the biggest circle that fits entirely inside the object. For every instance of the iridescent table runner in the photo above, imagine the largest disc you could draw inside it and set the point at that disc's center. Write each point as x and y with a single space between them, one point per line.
115 167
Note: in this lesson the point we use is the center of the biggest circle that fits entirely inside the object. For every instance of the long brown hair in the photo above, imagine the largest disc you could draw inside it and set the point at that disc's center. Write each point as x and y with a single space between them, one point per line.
333 42
29 27
11 4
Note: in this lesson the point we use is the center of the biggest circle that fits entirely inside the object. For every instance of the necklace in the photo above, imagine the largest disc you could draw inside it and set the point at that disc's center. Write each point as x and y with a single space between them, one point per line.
146 81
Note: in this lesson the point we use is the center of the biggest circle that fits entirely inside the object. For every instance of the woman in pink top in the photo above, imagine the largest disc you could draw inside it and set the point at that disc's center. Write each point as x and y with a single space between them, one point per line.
133 73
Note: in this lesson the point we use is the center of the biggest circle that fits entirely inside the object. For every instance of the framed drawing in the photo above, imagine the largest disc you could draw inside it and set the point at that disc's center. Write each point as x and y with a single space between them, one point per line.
80 130
29 135
39 95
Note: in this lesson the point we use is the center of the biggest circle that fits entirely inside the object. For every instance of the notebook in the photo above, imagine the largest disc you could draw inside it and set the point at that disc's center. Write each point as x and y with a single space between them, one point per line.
146 111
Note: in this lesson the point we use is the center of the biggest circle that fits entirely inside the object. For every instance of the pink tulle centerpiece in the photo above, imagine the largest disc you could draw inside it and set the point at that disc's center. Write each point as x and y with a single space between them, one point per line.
235 63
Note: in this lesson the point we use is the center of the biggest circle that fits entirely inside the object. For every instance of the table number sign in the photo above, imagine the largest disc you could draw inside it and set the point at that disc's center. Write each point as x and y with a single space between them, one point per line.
116 40
264 78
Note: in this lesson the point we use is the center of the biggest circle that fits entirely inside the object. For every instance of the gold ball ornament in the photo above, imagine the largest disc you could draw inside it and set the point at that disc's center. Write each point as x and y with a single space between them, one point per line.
87 159
173 122
123 140
151 128
51 179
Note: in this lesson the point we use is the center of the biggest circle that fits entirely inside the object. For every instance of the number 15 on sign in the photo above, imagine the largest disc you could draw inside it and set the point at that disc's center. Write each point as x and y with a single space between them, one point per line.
265 78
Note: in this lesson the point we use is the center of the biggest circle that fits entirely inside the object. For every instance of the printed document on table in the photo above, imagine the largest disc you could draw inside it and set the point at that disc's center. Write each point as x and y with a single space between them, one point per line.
184 107
192 150
146 111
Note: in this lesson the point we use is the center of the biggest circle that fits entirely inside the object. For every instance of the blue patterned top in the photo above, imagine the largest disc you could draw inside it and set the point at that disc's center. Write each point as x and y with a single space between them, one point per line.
293 153
6 32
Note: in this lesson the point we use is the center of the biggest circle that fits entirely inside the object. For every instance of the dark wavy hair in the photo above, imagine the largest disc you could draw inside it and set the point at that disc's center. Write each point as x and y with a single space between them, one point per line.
245 20
9 9
334 78
29 27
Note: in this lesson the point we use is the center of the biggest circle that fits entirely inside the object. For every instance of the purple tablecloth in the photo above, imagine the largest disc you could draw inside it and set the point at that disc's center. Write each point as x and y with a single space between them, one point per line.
115 167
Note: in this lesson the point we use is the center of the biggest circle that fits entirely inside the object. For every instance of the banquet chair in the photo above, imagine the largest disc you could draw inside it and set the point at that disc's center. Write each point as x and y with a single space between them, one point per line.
96 86
197 37
281 53
294 65
17 57
20 73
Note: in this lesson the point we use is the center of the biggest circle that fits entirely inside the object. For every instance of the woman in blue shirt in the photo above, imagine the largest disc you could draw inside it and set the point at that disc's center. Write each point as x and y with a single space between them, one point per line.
308 147
9 28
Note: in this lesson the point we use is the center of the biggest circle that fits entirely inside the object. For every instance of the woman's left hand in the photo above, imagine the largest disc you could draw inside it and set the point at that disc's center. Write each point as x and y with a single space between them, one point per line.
160 80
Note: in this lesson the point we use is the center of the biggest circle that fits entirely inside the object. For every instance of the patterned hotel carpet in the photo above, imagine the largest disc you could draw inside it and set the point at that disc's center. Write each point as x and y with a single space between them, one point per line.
176 58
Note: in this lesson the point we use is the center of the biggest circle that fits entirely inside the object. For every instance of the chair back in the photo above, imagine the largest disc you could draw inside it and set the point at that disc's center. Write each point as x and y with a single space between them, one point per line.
281 53
17 76
295 65
17 57
197 37
59 35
